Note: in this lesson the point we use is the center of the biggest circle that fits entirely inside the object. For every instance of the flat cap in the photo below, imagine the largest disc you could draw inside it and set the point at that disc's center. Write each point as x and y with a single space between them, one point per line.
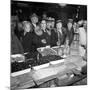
33 15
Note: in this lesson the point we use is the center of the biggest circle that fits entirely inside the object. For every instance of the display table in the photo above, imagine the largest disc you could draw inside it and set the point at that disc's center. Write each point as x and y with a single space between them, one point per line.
30 77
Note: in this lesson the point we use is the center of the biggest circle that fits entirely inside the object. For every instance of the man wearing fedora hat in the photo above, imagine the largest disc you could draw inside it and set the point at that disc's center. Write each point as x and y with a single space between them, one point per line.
34 20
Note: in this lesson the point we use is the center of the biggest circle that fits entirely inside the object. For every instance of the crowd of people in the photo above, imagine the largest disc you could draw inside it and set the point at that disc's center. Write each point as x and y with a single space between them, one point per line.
28 35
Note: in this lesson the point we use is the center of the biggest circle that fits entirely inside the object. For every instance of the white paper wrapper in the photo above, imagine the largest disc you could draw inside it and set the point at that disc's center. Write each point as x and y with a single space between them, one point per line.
41 66
17 58
20 72
57 62
46 72
16 55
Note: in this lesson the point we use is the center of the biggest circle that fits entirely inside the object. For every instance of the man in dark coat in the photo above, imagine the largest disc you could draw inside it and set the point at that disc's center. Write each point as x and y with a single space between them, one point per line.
61 31
52 35
70 32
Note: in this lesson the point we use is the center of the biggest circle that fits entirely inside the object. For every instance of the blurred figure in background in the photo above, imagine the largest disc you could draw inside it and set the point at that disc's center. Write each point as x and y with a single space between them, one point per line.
16 47
19 29
44 16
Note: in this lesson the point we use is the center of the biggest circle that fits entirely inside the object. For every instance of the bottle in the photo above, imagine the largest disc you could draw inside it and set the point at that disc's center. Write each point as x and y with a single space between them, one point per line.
60 51
67 48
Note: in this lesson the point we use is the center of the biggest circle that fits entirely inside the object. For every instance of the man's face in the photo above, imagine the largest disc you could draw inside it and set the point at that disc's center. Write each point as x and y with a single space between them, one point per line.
49 25
69 25
59 25
27 27
34 20
43 24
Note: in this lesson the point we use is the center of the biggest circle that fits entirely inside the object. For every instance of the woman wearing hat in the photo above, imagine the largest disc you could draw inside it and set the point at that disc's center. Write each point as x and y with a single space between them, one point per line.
52 35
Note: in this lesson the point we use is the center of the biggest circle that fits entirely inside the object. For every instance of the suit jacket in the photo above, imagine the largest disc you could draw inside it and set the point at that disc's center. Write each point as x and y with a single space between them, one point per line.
70 35
62 36
53 38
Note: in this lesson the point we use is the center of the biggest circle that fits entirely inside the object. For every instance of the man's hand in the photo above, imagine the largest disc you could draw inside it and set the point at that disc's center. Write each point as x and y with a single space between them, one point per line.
43 41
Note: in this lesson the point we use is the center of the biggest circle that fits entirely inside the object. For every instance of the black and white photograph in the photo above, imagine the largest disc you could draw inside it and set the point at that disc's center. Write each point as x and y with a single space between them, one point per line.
48 45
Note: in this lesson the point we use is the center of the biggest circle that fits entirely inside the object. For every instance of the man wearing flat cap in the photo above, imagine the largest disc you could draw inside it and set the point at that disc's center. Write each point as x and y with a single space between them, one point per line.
70 20
61 31
70 31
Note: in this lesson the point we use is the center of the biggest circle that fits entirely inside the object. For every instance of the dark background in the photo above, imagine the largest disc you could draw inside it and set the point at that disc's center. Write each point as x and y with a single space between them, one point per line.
25 9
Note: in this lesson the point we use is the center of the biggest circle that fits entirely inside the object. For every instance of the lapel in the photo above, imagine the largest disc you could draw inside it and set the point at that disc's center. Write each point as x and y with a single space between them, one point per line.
60 34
